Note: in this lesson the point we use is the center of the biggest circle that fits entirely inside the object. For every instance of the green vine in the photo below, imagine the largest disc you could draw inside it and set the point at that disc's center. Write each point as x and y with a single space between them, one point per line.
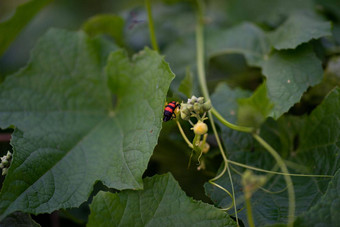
198 144
204 88
203 84
151 26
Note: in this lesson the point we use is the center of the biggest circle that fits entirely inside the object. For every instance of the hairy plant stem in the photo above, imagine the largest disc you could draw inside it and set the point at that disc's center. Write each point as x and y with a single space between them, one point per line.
151 27
204 88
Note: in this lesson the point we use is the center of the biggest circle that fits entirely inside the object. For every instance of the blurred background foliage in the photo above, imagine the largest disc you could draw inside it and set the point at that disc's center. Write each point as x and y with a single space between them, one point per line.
174 22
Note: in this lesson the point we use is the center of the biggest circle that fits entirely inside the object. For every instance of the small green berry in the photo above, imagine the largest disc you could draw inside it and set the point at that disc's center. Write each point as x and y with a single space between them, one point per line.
3 158
8 155
207 106
190 107
197 107
4 171
200 100
185 116
185 109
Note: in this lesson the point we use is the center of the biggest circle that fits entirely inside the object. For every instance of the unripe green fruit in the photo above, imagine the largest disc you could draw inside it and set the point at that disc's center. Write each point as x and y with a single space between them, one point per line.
4 171
190 107
200 100
185 116
197 107
207 106
185 109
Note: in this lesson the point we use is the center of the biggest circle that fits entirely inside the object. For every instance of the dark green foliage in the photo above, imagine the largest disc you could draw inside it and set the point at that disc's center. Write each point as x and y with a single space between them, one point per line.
87 110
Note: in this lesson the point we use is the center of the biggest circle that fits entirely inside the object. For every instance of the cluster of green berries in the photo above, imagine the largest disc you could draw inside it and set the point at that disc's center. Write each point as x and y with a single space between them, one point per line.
194 108
5 161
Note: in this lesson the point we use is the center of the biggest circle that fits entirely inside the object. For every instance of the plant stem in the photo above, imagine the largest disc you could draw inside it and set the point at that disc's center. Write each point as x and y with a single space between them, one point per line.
225 190
274 172
249 212
200 51
230 125
204 88
183 135
151 27
289 183
195 142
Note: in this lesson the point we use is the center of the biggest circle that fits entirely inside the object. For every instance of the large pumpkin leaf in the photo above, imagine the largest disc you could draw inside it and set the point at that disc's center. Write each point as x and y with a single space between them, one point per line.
9 29
161 203
309 150
289 73
68 133
299 28
246 39
326 212
19 219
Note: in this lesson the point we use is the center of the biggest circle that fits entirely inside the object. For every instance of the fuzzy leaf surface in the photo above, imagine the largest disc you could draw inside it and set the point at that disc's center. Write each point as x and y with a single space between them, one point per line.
161 203
68 133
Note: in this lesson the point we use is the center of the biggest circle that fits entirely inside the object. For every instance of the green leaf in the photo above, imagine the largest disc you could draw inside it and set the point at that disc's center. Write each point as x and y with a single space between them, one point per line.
112 25
162 202
245 39
9 29
19 219
326 212
289 73
181 56
320 136
254 110
68 134
310 146
224 99
263 11
299 28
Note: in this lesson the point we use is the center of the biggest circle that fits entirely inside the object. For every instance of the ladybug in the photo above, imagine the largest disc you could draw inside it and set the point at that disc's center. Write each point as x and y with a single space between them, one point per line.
169 111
